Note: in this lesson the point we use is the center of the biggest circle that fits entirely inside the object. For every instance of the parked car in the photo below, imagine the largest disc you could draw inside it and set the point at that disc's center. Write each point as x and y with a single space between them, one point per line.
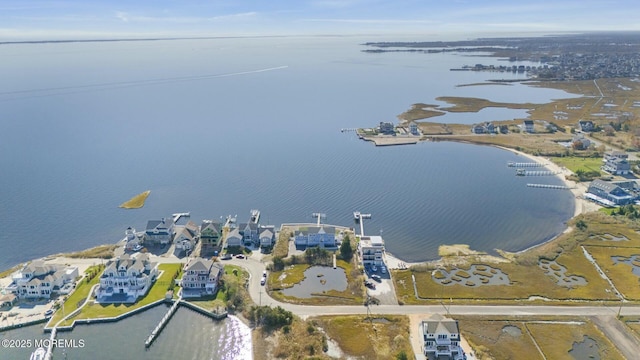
239 256
226 257
48 313
263 281
383 269
374 268
376 278
264 274
370 285
138 247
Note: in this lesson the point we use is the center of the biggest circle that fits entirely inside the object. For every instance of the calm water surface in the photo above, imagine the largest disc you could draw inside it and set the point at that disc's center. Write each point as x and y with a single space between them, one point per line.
218 127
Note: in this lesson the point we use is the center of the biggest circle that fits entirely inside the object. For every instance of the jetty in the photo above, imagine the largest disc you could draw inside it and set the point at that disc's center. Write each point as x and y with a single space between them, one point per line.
358 217
49 353
524 164
546 186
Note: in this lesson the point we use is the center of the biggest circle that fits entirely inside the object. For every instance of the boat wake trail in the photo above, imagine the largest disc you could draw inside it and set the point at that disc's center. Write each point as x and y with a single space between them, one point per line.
63 90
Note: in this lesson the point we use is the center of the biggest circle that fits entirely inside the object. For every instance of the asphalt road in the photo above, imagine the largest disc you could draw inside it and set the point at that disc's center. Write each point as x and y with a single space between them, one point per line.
604 317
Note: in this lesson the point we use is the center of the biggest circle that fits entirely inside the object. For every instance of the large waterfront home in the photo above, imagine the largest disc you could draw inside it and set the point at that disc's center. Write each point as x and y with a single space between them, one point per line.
234 238
610 193
267 236
201 277
210 233
39 280
441 339
186 237
249 232
126 278
159 232
323 236
370 249
132 240
616 163
528 126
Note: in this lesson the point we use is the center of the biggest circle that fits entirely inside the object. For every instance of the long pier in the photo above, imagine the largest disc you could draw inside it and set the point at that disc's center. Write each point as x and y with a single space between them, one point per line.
162 324
515 164
49 354
536 173
546 186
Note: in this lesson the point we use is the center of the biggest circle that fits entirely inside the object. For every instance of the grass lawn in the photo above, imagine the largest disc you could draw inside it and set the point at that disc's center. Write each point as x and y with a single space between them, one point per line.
574 163
157 292
555 340
382 337
621 273
76 297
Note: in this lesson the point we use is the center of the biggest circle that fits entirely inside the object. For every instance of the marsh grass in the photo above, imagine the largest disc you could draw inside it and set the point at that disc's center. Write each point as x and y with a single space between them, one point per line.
136 202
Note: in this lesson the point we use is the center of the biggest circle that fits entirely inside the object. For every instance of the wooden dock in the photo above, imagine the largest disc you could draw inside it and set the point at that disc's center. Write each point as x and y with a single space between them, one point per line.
524 164
546 186
162 324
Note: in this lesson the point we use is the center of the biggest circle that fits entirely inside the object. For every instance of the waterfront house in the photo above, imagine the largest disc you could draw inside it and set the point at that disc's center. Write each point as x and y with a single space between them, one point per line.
201 277
159 232
39 280
126 278
267 236
486 128
370 249
579 142
413 128
609 193
323 236
131 240
249 232
233 238
528 126
616 163
210 233
586 125
441 339
386 128
186 237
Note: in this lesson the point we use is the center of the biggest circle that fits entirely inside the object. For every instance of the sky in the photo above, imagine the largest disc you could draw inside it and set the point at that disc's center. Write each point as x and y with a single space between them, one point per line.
81 19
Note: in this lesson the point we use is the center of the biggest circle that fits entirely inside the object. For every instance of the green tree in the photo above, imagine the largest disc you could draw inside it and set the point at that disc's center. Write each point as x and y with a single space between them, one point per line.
278 263
346 252
581 225
402 356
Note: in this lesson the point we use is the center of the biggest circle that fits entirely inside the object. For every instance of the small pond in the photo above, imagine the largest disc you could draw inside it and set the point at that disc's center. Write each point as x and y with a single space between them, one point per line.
609 237
477 275
585 349
559 274
633 260
512 330
317 280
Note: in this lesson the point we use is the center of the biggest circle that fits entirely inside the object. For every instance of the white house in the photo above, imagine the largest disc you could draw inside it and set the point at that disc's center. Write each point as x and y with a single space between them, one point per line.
201 277
186 237
441 339
323 236
39 280
132 240
370 249
233 238
126 279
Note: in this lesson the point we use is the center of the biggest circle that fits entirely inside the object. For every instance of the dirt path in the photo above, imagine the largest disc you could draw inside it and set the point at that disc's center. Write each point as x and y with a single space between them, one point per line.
627 343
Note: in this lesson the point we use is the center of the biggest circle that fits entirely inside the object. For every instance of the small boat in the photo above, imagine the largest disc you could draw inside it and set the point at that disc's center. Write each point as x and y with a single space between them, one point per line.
255 216
521 172
39 354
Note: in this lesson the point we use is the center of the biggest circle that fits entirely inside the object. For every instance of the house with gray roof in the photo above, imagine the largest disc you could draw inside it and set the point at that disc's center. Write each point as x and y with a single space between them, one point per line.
234 238
159 232
267 236
126 278
38 280
201 277
528 126
616 163
609 191
441 339
249 232
323 236
186 237
210 233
